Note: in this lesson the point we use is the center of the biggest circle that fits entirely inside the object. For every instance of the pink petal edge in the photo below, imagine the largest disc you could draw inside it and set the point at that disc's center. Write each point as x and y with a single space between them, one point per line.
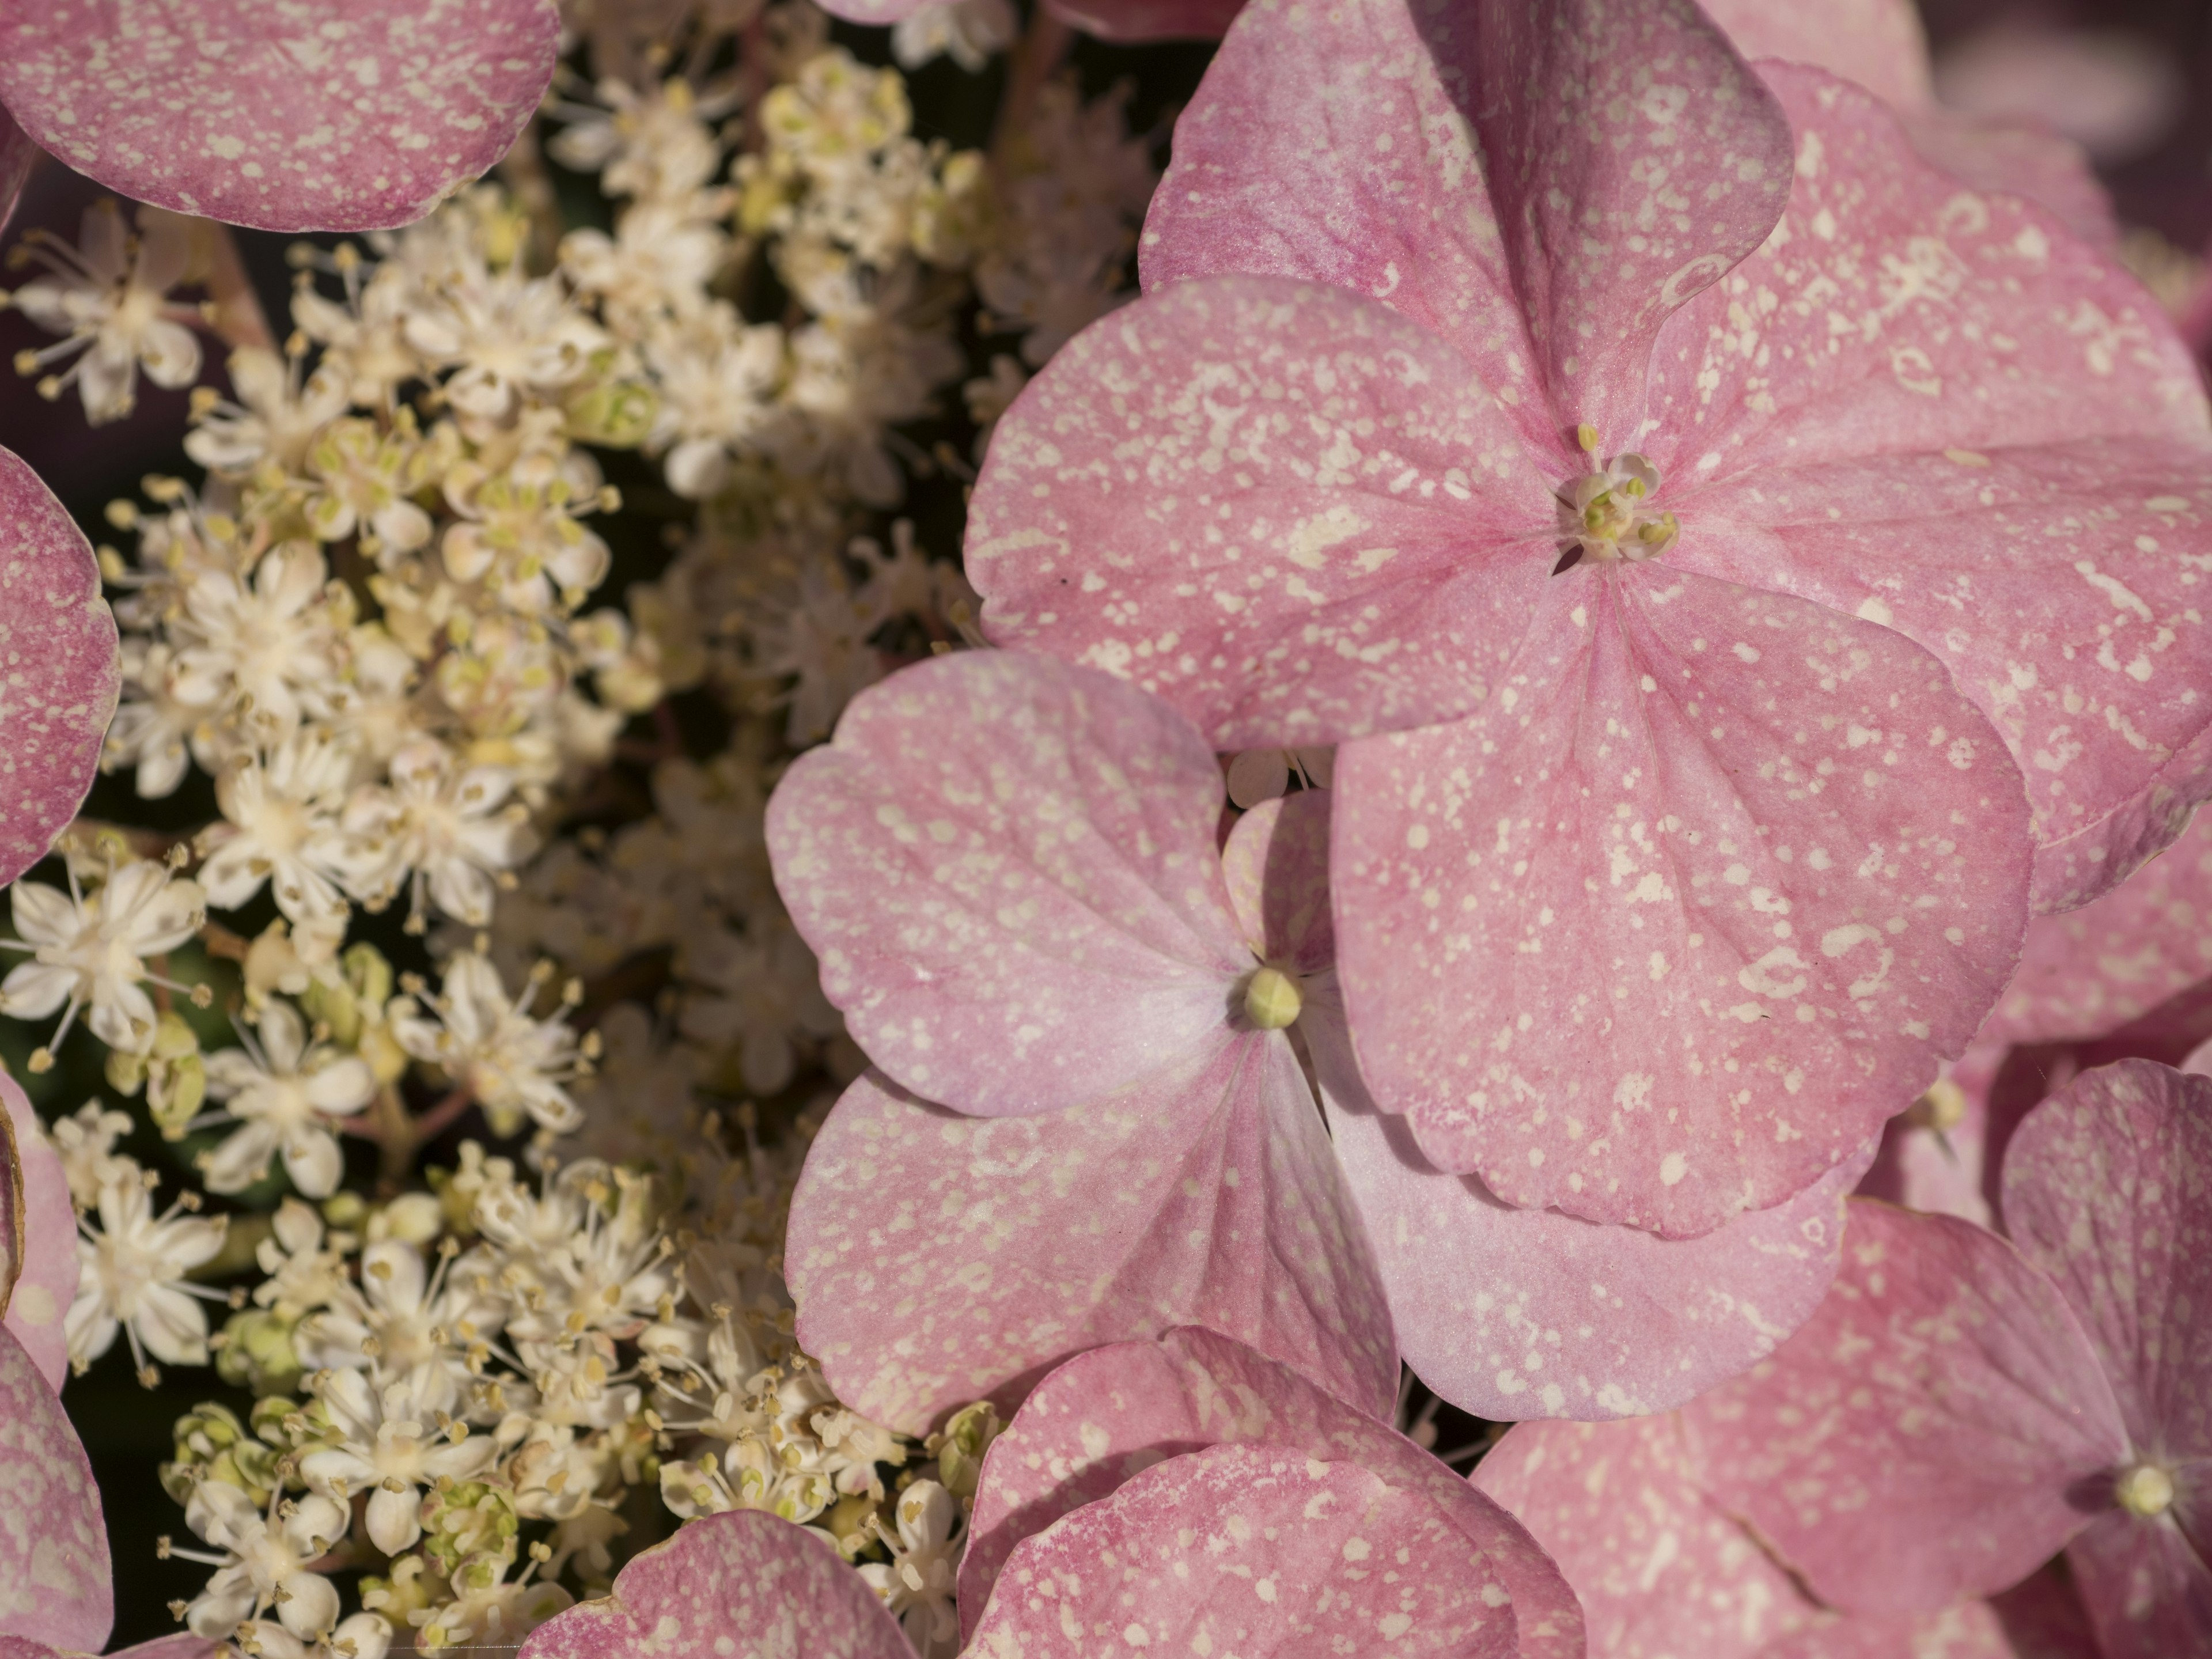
56 1579
48 1266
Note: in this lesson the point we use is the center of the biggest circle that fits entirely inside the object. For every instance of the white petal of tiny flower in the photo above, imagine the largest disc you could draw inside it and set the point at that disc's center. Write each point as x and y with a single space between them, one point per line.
283 1092
263 1561
453 828
281 827
388 1442
917 1584
88 952
275 417
969 32
109 296
515 1065
132 1276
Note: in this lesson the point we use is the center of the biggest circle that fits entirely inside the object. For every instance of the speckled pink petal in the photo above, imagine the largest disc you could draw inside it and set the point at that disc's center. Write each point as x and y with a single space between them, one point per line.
779 1588
1257 1551
937 1258
1292 513
2054 506
1667 929
1879 44
1973 1630
1149 20
1663 1572
1107 1415
1510 1313
1450 160
873 14
2087 971
58 677
2108 1189
2025 160
1920 1439
47 1242
317 115
1276 864
1007 866
2075 562
55 1578
2147 1590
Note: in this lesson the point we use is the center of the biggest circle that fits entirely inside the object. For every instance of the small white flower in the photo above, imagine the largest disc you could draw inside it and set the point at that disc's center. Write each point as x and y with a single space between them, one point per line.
507 336
587 1249
282 1093
90 952
266 649
770 993
364 1636
655 144
451 830
109 296
969 32
131 1276
274 418
281 827
917 1584
658 263
86 1141
153 730
516 1065
401 1320
263 1561
386 1442
718 377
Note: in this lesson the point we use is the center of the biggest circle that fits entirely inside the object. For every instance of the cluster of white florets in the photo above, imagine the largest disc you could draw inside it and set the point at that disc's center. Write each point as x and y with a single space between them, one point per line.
375 623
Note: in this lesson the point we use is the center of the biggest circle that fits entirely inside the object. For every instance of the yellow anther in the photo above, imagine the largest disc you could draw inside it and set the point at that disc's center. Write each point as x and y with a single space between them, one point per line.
1943 1109
1272 999
2145 1490
1586 435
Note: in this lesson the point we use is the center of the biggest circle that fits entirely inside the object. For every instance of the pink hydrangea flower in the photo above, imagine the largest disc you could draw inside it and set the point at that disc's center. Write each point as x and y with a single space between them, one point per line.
316 115
1109 20
38 1238
1664 1571
1124 1452
1664 566
57 643
1007 867
183 1646
1960 1408
774 1588
55 1579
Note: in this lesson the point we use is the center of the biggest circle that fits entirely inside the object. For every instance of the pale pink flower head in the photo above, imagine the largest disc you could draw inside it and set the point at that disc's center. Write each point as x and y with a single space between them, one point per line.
57 646
1960 1408
1689 589
1109 20
55 1579
1187 1495
318 115
38 1236
1092 1115
775 1588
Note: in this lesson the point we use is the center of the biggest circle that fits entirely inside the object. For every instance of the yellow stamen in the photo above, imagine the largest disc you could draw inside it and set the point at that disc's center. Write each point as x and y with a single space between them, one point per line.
1272 999
2145 1490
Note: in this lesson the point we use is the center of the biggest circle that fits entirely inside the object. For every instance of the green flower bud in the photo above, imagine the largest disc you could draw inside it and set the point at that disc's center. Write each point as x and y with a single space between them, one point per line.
256 1352
212 1444
967 1436
614 414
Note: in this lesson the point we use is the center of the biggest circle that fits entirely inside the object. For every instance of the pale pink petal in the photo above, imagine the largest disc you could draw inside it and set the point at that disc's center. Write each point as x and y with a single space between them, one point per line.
54 1574
1662 1571
1109 1414
1276 864
1879 44
321 115
2075 564
1972 1630
1667 929
1510 1313
2086 972
2147 1590
183 1646
2108 1189
1888 294
874 14
1007 866
59 679
1292 513
1258 1551
2044 1617
937 1259
47 1241
779 1588
1447 160
1920 1439
1148 20
2023 158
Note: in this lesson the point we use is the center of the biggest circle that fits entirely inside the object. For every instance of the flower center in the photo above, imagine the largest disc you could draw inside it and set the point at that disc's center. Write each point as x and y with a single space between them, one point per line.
2145 1490
1272 999
1609 514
